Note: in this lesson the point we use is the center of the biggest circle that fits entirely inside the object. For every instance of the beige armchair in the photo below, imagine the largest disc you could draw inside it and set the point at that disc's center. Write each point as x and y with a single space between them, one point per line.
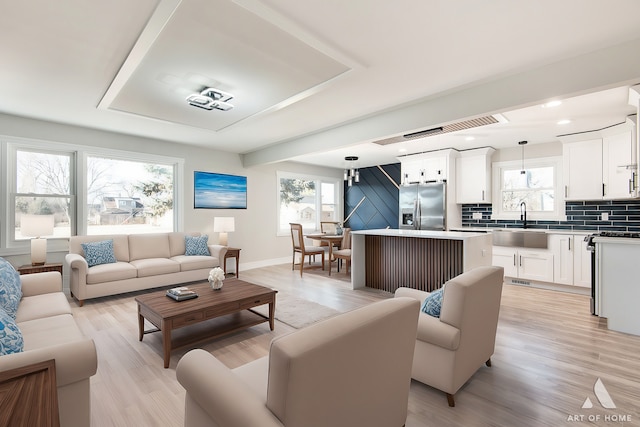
351 370
450 349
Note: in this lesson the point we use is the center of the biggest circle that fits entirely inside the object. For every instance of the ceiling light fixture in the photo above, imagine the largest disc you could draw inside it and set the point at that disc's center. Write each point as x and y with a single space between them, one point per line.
351 173
522 144
211 98
564 122
551 104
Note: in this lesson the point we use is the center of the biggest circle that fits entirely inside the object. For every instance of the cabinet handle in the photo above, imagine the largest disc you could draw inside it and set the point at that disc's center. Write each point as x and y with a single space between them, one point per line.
482 195
520 260
569 244
603 192
514 260
566 191
630 186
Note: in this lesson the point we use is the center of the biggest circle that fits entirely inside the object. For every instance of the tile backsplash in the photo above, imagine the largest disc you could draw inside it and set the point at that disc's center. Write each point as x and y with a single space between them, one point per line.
624 215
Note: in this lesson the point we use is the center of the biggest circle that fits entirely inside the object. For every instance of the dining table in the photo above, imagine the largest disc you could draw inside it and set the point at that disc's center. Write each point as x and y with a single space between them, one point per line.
330 239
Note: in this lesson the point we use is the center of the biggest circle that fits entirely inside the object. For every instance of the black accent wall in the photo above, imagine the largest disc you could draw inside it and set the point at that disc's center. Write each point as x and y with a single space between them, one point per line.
380 207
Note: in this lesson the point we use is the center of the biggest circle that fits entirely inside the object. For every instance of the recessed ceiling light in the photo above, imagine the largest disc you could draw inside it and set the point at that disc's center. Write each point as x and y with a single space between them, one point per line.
564 122
402 150
470 138
551 104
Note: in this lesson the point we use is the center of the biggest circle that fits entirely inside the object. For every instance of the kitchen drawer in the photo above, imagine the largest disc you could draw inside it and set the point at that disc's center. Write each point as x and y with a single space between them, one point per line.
187 319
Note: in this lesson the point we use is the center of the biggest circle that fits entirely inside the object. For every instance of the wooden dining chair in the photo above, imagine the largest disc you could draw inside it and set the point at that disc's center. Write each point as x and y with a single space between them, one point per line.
344 253
297 239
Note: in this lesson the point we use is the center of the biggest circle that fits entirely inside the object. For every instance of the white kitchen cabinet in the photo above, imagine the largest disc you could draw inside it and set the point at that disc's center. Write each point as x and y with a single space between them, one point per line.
526 264
581 262
582 169
473 176
618 165
602 165
431 166
563 248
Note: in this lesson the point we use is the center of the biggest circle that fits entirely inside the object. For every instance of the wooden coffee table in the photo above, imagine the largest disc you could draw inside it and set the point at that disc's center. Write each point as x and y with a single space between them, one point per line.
212 314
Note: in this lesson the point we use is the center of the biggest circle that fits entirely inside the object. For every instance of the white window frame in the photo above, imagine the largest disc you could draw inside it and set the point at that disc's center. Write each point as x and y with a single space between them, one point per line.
319 180
558 214
8 148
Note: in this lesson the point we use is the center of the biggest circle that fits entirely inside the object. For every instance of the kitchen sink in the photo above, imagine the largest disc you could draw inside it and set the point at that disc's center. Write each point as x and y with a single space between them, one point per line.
520 238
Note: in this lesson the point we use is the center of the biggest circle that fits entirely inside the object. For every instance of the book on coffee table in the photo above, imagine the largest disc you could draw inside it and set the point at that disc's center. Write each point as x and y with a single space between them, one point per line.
181 293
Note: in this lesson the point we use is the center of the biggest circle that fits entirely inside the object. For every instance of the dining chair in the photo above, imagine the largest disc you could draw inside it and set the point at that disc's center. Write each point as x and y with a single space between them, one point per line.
297 239
344 253
326 227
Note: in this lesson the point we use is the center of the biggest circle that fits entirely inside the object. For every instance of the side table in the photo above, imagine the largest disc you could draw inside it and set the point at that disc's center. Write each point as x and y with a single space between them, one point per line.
232 253
30 269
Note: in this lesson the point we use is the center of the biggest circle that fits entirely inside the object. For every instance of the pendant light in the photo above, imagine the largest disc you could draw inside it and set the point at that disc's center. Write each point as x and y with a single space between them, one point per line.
522 144
351 173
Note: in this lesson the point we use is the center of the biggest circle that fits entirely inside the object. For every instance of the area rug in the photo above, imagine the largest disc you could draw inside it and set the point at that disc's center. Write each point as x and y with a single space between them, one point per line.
297 312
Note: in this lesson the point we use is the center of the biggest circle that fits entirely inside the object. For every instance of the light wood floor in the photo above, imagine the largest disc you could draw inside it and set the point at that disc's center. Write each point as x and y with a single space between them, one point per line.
550 351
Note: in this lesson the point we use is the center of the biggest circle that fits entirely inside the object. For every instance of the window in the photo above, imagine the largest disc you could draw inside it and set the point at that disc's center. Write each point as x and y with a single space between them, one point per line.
538 186
126 197
43 187
307 200
87 190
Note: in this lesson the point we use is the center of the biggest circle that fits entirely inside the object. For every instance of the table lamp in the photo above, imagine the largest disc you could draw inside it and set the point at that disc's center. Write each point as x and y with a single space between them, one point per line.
37 226
223 225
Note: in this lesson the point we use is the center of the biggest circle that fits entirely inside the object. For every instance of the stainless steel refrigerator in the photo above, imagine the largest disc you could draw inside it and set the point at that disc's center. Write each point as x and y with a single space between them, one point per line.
423 206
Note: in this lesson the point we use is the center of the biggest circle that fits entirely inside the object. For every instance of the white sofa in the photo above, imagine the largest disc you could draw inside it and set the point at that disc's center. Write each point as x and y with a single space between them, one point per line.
143 261
49 331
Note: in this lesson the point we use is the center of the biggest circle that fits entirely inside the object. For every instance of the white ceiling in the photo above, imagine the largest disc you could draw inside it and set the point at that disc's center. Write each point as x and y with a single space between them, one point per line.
316 80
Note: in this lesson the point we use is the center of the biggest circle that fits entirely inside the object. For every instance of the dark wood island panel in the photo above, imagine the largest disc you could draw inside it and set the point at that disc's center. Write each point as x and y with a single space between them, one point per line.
418 263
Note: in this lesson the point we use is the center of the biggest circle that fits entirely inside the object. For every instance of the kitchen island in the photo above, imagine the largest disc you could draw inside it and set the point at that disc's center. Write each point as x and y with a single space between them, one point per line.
387 259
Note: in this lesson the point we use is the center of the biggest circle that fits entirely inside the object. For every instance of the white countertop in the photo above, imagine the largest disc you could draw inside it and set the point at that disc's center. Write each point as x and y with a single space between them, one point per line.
425 234
548 231
617 240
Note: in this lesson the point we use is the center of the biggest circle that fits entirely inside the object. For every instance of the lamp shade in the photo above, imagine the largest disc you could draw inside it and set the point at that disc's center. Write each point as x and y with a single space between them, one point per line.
224 224
36 225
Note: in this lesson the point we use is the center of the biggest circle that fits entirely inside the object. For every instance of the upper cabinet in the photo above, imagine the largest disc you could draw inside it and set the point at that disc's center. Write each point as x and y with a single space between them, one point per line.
601 165
423 167
473 176
582 169
618 166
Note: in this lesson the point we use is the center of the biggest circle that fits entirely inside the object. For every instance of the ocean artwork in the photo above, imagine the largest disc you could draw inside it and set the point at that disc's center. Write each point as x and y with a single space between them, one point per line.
219 191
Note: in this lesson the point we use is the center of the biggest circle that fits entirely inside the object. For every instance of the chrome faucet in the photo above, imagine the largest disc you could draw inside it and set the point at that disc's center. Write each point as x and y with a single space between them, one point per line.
523 214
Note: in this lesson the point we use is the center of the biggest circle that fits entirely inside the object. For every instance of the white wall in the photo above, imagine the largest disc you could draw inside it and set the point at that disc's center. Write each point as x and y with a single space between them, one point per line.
255 226
531 151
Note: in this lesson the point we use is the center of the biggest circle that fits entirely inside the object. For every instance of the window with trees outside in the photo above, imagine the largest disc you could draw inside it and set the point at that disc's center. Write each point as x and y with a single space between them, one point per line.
43 187
307 200
537 186
88 192
126 197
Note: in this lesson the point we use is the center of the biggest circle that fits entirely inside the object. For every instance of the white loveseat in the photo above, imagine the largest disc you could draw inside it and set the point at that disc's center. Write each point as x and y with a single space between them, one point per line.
143 261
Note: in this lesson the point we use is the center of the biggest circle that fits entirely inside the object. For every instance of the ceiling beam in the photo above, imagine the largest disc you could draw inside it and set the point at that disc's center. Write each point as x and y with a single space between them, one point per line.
602 69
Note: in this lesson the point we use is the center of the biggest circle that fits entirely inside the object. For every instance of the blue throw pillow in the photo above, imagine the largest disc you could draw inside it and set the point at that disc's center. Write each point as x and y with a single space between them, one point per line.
10 335
97 253
433 303
10 288
196 245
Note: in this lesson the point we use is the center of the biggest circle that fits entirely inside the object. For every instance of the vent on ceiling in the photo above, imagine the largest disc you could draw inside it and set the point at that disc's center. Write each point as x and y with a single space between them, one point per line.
453 127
